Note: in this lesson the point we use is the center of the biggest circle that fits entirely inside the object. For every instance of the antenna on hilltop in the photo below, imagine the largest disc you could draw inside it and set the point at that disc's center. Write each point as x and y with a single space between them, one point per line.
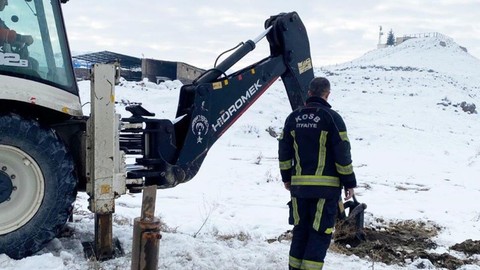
380 34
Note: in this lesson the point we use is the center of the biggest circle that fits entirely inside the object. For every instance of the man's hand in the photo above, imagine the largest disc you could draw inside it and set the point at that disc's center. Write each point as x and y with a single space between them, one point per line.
287 185
349 194
27 39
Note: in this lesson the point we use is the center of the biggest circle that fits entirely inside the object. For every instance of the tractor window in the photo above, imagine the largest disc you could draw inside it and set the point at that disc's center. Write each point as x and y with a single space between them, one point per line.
33 43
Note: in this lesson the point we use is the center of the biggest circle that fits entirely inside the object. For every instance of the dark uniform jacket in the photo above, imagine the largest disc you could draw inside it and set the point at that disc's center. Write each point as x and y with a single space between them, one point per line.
7 35
314 152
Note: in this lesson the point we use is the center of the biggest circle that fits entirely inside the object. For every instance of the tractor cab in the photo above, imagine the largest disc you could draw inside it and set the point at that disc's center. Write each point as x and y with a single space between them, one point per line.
35 61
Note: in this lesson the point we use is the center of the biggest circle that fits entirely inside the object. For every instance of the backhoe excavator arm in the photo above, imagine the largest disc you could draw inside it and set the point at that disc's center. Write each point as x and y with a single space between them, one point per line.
173 152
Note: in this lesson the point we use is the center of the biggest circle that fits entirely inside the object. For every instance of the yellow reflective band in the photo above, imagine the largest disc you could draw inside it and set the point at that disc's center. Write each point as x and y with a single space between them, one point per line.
294 262
322 153
225 82
315 180
329 231
343 136
298 167
285 165
318 214
296 217
311 265
345 170
341 208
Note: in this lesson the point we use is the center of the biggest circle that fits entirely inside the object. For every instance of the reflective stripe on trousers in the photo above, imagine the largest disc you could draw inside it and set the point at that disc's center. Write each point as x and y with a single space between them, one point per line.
314 220
304 264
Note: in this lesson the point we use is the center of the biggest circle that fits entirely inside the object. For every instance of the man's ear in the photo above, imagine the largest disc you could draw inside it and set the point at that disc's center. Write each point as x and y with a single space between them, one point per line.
309 93
325 95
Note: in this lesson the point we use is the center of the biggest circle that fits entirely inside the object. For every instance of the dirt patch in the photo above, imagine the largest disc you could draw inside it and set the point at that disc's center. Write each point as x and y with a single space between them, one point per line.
399 243
469 247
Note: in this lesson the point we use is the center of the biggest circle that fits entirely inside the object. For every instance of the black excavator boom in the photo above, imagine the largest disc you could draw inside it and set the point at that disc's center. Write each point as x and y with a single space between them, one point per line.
172 152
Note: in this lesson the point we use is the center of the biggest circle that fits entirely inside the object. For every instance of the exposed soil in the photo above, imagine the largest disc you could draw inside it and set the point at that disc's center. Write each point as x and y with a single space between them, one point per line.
399 243
468 247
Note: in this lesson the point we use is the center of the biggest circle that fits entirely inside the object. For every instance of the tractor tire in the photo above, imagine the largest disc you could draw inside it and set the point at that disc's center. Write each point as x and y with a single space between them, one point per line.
37 186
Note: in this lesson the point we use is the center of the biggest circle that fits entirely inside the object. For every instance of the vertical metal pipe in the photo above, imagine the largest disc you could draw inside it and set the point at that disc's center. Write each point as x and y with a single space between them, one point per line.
146 234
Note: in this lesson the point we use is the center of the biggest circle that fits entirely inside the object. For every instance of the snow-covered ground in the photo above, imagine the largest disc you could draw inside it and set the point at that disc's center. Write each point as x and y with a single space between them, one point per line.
416 156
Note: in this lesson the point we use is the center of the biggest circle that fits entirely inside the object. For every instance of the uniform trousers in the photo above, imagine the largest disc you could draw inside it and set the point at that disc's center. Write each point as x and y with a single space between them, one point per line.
314 221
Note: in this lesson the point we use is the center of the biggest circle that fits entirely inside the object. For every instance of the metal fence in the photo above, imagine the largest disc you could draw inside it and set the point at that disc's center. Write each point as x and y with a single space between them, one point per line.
423 35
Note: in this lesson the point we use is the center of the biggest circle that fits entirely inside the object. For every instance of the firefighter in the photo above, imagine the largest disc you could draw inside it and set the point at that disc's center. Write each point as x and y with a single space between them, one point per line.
315 163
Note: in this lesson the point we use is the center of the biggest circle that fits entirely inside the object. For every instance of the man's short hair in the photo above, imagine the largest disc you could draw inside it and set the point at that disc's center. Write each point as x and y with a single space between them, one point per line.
318 86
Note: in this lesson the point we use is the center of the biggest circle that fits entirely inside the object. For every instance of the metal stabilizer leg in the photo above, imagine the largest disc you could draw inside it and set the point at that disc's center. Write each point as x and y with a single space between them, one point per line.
146 234
104 161
103 236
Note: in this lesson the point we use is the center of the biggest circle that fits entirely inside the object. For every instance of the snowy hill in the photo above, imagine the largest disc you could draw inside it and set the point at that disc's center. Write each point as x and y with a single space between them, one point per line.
439 53
403 108
416 156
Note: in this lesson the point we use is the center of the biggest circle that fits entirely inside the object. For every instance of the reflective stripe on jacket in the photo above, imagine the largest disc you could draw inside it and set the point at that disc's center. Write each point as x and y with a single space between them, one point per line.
314 151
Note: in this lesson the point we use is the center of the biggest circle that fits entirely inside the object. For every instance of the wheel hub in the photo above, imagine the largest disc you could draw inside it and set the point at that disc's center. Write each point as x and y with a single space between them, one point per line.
21 188
6 187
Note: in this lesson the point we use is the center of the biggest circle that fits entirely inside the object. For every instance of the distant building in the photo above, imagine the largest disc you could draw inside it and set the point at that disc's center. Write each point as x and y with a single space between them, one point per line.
158 71
130 66
135 69
400 40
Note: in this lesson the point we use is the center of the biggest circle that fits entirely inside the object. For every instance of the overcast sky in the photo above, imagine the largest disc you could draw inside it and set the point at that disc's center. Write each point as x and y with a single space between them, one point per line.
196 31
